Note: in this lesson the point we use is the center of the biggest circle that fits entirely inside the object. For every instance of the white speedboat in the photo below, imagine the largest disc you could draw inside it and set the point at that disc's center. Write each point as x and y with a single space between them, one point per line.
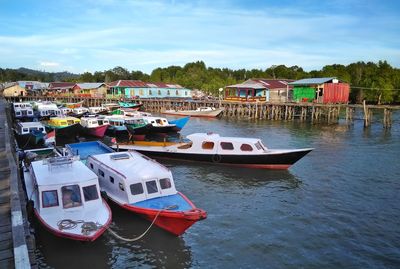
211 112
145 187
94 126
23 110
66 198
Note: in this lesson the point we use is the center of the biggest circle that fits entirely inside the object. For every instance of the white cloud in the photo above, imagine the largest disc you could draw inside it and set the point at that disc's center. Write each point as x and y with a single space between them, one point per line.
49 64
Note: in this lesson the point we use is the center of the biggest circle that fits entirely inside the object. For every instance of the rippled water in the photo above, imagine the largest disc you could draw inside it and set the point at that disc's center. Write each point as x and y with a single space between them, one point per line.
338 207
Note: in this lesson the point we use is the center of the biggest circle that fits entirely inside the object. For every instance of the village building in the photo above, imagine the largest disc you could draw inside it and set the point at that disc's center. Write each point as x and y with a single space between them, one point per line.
140 89
60 88
263 90
320 90
13 89
33 87
90 90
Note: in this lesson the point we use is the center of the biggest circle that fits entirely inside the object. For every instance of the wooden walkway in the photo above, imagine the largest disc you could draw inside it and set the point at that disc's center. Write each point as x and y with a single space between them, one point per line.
16 242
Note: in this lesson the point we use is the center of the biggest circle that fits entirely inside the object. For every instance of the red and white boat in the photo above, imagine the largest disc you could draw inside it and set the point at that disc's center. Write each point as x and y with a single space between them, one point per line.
94 126
145 187
66 198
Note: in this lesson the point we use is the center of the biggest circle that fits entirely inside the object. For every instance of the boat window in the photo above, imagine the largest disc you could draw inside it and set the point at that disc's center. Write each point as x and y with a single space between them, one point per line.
111 179
246 147
259 146
165 183
186 146
101 173
207 145
136 188
18 113
63 123
226 145
90 193
91 166
41 129
151 187
25 130
71 196
121 186
49 198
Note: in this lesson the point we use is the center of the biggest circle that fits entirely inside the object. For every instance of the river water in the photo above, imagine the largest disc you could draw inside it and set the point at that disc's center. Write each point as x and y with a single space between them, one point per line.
338 207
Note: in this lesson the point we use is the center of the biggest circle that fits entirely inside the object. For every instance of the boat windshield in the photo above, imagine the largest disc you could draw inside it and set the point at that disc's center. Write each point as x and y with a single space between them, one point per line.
71 196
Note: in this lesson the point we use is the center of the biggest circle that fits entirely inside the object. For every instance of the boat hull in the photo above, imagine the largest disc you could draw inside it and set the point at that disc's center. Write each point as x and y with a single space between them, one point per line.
142 130
174 222
194 113
180 123
30 140
67 131
98 131
260 161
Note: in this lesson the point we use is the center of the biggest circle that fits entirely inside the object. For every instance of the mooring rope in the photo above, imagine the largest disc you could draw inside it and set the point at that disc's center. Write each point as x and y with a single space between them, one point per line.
90 226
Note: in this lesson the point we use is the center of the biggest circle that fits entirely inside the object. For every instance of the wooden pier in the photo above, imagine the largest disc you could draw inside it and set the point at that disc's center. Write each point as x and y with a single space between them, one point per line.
313 112
16 242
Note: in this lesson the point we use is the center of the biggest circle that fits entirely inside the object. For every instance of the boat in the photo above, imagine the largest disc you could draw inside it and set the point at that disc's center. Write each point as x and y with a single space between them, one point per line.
29 134
74 105
140 185
23 110
94 126
66 198
79 112
85 149
199 112
130 112
117 123
137 126
45 110
64 126
130 105
159 124
66 111
110 106
180 123
215 149
98 110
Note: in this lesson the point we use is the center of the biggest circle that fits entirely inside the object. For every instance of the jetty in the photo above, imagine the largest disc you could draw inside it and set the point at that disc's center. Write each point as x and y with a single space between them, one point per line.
304 111
17 244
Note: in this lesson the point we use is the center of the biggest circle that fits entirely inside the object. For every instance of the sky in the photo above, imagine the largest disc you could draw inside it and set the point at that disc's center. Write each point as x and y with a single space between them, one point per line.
97 35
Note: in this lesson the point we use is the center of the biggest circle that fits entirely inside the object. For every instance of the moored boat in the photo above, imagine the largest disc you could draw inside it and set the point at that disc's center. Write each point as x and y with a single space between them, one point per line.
234 151
29 134
199 112
64 126
66 198
110 106
98 110
79 111
159 124
130 105
23 110
145 187
85 149
94 126
74 105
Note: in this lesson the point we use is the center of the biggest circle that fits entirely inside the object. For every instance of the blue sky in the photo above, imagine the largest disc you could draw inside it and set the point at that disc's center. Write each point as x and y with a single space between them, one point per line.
96 35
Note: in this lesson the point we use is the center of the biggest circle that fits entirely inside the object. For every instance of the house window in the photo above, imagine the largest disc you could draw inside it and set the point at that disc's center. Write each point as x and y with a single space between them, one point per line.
186 93
168 92
151 187
132 93
112 180
101 173
136 188
226 145
165 183
207 145
177 92
246 147
150 93
90 193
159 92
141 92
71 196
49 198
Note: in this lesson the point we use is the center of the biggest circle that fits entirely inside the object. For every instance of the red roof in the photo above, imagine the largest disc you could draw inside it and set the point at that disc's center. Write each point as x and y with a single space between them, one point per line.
57 85
128 83
272 83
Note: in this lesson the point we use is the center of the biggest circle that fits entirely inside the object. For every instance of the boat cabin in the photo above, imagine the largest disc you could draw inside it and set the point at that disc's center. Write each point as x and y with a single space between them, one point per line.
79 110
19 105
62 121
131 177
156 121
48 109
135 122
29 127
63 184
96 109
66 110
21 112
216 144
93 122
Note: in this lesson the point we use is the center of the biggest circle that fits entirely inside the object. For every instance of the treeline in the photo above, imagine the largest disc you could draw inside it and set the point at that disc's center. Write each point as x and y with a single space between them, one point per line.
374 82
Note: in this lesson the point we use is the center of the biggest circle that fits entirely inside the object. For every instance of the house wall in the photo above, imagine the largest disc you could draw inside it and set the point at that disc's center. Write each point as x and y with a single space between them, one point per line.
150 92
15 90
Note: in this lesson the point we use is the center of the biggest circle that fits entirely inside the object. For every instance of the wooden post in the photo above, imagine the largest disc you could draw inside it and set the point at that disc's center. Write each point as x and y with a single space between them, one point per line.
366 115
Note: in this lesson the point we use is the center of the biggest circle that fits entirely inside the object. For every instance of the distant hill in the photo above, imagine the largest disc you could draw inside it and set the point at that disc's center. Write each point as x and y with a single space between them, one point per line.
22 73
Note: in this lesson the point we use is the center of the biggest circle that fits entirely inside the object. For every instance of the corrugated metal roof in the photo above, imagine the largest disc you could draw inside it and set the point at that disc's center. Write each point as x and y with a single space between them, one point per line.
61 85
141 84
261 83
311 81
89 85
254 85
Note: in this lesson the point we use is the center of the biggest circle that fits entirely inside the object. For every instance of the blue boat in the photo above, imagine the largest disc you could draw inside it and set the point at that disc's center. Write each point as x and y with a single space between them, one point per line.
180 123
85 149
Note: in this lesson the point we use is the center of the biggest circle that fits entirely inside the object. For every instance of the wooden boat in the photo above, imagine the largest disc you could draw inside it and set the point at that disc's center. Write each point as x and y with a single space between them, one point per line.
74 105
64 126
180 123
66 198
65 111
130 112
159 124
110 106
234 151
199 112
23 110
130 105
45 110
137 126
79 112
143 186
94 126
29 134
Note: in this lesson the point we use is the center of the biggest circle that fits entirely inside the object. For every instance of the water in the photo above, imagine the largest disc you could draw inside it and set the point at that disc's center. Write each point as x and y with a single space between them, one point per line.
338 207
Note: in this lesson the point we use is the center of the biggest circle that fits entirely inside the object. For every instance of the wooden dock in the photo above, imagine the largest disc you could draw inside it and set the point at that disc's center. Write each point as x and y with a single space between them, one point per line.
313 112
17 244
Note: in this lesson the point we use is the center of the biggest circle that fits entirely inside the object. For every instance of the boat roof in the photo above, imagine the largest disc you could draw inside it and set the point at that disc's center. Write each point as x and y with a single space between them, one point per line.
63 118
30 124
61 174
217 137
133 166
